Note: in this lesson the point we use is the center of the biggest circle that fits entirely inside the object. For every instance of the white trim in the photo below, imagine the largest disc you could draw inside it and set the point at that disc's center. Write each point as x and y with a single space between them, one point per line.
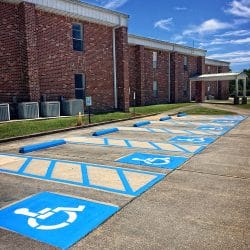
164 45
216 62
79 10
219 77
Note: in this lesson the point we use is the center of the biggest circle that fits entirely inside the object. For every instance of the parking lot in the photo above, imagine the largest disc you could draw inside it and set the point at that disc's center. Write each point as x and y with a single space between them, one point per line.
100 175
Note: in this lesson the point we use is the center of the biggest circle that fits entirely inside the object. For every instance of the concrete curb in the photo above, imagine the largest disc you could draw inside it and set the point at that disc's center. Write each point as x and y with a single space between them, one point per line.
91 125
72 128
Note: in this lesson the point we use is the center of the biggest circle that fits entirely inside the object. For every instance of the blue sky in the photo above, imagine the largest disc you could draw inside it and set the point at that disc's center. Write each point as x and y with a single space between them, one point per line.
222 27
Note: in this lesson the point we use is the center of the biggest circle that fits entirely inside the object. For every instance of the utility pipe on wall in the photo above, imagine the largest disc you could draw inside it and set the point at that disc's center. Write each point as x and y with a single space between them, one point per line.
114 66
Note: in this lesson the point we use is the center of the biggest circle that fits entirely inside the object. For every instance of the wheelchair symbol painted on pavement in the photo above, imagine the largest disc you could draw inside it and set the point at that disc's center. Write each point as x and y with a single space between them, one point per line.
191 139
153 161
48 212
213 128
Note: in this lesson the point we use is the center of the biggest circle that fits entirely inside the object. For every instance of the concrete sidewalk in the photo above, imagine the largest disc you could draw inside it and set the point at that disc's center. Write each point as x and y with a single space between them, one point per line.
203 205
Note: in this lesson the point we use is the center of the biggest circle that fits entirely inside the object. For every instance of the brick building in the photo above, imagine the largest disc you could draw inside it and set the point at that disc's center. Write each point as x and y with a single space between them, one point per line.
219 89
51 50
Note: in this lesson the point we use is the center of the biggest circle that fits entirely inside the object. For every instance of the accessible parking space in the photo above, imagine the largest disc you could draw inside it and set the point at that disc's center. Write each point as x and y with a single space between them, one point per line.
56 188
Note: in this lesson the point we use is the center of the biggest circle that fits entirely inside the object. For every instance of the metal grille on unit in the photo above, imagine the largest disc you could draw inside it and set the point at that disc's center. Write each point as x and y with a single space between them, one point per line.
4 112
72 107
50 109
28 110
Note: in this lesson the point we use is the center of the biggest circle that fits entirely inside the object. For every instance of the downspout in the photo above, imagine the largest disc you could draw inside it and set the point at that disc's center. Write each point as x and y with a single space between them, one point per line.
169 79
114 66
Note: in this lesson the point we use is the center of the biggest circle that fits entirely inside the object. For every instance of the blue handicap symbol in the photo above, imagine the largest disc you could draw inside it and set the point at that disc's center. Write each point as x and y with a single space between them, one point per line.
225 121
153 160
213 128
55 219
192 139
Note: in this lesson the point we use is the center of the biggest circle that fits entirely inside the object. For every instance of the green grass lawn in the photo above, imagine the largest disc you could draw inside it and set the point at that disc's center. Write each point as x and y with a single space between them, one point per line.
158 108
244 106
207 111
22 127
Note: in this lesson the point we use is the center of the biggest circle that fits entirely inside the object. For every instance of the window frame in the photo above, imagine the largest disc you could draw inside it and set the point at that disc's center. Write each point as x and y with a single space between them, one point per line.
155 55
185 62
83 82
155 88
77 39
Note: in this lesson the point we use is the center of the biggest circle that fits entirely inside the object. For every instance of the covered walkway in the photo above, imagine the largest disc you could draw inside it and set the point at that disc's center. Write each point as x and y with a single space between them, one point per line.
201 79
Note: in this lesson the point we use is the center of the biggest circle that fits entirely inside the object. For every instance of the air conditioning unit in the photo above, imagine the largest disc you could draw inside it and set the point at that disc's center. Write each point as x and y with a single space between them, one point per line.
72 107
28 110
4 112
50 109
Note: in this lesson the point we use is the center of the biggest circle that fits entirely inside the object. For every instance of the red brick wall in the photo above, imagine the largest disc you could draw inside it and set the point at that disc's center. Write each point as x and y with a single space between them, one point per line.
213 85
37 57
180 88
142 74
58 62
11 83
218 89
223 86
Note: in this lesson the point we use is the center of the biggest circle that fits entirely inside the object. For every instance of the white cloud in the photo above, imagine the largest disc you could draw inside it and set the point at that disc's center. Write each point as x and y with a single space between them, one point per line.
235 57
180 8
164 23
178 39
239 8
209 26
218 41
237 53
235 33
113 4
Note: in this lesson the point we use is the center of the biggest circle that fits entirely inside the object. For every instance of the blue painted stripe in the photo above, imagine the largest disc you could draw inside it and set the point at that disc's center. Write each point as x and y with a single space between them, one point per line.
149 185
183 149
39 146
86 182
128 143
150 130
125 182
50 169
166 130
25 165
85 174
154 145
105 140
105 131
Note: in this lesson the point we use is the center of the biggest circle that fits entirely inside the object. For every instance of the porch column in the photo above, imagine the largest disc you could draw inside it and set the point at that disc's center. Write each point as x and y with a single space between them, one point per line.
236 87
190 91
236 97
244 87
244 98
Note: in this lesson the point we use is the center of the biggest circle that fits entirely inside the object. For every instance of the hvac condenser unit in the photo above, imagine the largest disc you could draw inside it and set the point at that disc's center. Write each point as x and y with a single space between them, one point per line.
50 109
4 112
28 110
72 107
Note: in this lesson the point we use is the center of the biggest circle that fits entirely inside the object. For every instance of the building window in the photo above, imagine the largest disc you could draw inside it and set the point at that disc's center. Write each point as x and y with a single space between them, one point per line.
155 89
154 59
77 36
185 62
208 69
79 86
